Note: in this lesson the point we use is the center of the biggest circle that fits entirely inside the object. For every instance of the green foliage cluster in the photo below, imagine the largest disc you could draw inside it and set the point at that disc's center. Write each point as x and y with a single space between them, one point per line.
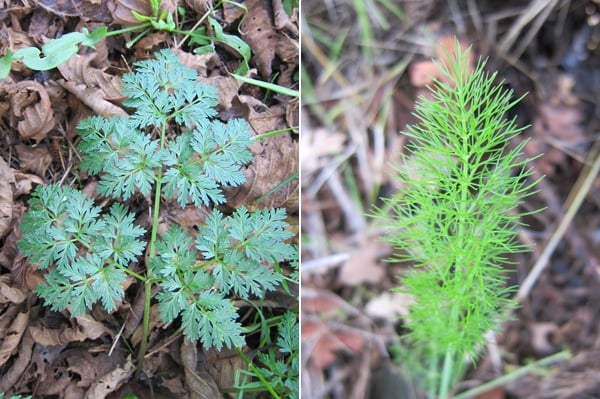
272 373
87 250
456 215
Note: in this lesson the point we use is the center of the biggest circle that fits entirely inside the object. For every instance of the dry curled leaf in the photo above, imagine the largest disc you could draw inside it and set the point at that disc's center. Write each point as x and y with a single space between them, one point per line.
93 98
121 11
257 30
78 69
32 108
6 197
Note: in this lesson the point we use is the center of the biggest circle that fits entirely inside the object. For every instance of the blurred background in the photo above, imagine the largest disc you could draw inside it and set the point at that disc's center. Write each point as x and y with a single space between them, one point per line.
364 63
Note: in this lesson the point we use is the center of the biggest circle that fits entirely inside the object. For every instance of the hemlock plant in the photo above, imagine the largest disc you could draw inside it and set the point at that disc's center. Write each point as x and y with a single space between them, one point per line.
455 218
170 149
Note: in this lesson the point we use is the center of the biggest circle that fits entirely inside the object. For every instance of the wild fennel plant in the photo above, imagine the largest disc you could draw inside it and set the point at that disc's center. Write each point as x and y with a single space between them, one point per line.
455 218
170 149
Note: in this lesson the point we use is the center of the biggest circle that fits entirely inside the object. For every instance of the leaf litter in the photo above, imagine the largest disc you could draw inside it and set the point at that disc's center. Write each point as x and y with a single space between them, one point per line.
44 352
561 110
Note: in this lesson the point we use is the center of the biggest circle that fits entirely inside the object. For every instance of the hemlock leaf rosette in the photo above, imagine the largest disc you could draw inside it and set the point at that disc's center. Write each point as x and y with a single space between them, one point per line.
456 216
87 250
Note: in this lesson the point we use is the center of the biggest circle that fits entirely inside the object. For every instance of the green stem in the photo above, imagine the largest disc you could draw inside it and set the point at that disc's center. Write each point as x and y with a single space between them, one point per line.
514 375
151 253
447 373
257 373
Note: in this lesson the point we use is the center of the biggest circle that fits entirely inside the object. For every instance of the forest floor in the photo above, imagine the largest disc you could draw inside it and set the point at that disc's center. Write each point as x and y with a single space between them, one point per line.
48 354
364 64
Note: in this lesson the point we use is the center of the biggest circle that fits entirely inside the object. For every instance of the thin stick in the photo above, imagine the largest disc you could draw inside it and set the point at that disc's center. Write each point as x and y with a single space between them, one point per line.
578 194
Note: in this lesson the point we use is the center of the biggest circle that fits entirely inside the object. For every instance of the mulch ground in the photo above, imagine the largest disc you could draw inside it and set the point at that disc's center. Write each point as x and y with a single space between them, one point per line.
49 354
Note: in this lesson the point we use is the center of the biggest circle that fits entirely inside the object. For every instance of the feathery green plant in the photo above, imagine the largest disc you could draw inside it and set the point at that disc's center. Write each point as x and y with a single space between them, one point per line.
455 217
87 250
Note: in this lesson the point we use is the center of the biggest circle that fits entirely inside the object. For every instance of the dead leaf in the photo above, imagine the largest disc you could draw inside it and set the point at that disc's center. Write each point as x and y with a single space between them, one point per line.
9 292
323 303
6 197
284 21
363 265
199 382
257 31
24 183
93 98
317 146
275 161
121 11
321 344
199 6
89 10
389 306
223 365
110 381
53 337
91 328
89 365
11 337
32 108
540 336
10 376
34 159
78 69
563 124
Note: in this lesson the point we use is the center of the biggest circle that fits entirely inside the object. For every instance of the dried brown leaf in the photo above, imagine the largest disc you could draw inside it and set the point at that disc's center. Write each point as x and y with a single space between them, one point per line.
275 161
362 266
89 10
284 21
6 197
78 69
121 11
317 146
257 30
24 183
222 365
32 108
199 6
34 159
9 292
91 328
324 343
11 337
53 337
90 366
9 377
110 381
199 382
93 98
